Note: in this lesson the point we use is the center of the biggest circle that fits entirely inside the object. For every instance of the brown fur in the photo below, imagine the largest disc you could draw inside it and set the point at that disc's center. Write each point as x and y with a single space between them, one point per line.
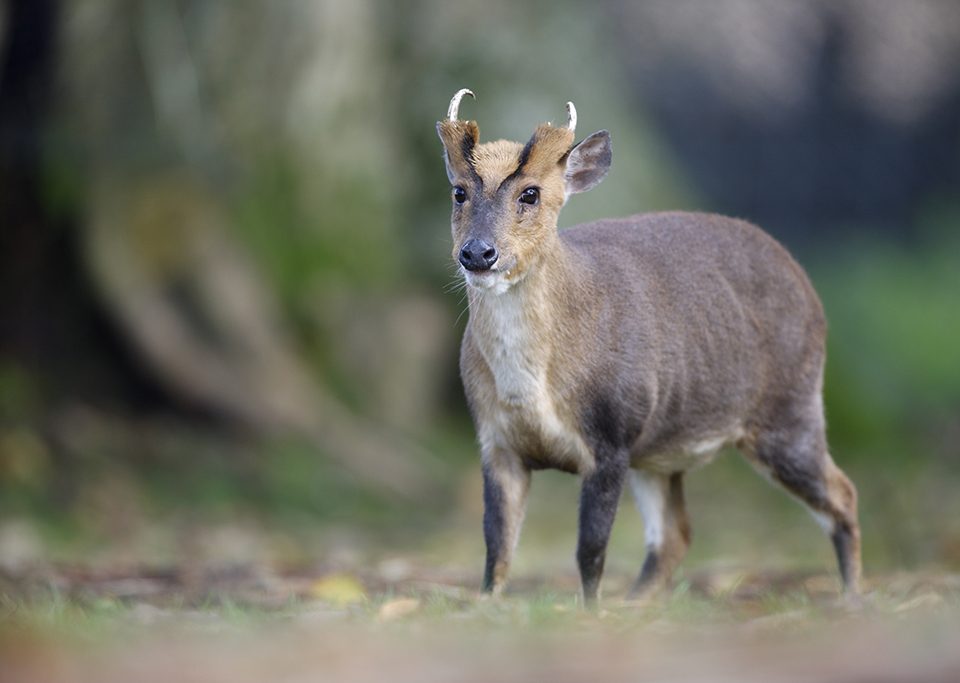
647 342
494 161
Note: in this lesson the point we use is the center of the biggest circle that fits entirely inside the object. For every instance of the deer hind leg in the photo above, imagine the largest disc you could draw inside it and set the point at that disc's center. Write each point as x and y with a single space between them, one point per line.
797 459
666 528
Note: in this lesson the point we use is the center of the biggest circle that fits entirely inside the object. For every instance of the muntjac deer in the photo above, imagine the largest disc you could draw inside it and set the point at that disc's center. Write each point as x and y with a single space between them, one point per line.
633 346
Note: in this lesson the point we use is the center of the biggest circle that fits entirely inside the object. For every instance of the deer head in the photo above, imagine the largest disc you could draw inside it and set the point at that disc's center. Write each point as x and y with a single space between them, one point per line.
507 196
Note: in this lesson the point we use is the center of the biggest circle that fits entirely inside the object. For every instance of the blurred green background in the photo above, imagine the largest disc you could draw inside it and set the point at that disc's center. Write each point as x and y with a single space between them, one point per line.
225 328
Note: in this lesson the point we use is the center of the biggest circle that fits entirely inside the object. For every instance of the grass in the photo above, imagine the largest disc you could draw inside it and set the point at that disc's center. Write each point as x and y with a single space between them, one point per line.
417 621
93 604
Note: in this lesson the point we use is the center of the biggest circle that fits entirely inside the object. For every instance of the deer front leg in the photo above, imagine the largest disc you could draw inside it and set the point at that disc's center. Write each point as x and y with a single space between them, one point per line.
599 498
505 484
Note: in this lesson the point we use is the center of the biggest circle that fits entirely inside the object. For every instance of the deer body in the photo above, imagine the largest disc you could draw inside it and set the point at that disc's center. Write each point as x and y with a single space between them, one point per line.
628 352
635 347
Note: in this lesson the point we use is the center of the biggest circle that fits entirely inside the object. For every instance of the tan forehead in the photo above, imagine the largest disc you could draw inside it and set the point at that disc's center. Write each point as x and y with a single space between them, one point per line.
494 161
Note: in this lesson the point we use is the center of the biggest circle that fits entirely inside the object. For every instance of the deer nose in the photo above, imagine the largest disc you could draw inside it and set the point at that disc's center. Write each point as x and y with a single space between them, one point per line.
478 255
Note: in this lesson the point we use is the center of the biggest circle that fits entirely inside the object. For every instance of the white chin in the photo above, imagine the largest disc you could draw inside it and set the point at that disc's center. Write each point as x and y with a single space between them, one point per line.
490 281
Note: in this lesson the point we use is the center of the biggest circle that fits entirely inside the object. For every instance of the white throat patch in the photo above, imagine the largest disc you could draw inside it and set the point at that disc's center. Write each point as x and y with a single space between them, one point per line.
518 363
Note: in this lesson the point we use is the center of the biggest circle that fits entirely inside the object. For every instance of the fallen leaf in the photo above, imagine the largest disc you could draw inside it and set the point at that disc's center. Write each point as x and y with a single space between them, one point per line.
921 601
339 589
397 609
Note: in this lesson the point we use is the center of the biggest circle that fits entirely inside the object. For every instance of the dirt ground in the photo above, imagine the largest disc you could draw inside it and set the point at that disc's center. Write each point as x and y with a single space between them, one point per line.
405 622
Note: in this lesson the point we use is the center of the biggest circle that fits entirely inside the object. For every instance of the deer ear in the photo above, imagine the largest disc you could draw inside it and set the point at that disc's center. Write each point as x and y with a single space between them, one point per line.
588 163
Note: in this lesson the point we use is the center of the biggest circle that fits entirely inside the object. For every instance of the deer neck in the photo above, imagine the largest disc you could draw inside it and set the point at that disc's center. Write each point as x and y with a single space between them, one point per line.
518 330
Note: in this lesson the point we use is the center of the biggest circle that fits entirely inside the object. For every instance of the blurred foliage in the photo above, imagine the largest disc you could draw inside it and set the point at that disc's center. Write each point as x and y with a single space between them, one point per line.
893 379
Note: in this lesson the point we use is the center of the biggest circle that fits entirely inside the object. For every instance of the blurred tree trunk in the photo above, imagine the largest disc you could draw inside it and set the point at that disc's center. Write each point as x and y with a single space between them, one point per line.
28 244
50 320
135 288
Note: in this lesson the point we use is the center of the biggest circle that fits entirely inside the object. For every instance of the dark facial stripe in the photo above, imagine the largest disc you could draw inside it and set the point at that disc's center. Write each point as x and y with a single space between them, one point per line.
466 149
524 157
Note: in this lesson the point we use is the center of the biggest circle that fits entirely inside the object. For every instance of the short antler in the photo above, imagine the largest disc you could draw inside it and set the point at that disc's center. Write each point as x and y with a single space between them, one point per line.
571 116
455 103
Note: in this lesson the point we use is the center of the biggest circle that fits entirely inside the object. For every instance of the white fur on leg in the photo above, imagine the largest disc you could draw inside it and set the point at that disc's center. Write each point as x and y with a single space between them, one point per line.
824 520
649 493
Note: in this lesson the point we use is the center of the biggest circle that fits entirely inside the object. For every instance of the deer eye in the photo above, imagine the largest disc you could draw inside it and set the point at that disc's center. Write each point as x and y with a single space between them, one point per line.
530 196
459 195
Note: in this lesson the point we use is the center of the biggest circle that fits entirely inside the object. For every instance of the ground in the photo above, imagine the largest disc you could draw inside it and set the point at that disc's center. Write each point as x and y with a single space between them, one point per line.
413 622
